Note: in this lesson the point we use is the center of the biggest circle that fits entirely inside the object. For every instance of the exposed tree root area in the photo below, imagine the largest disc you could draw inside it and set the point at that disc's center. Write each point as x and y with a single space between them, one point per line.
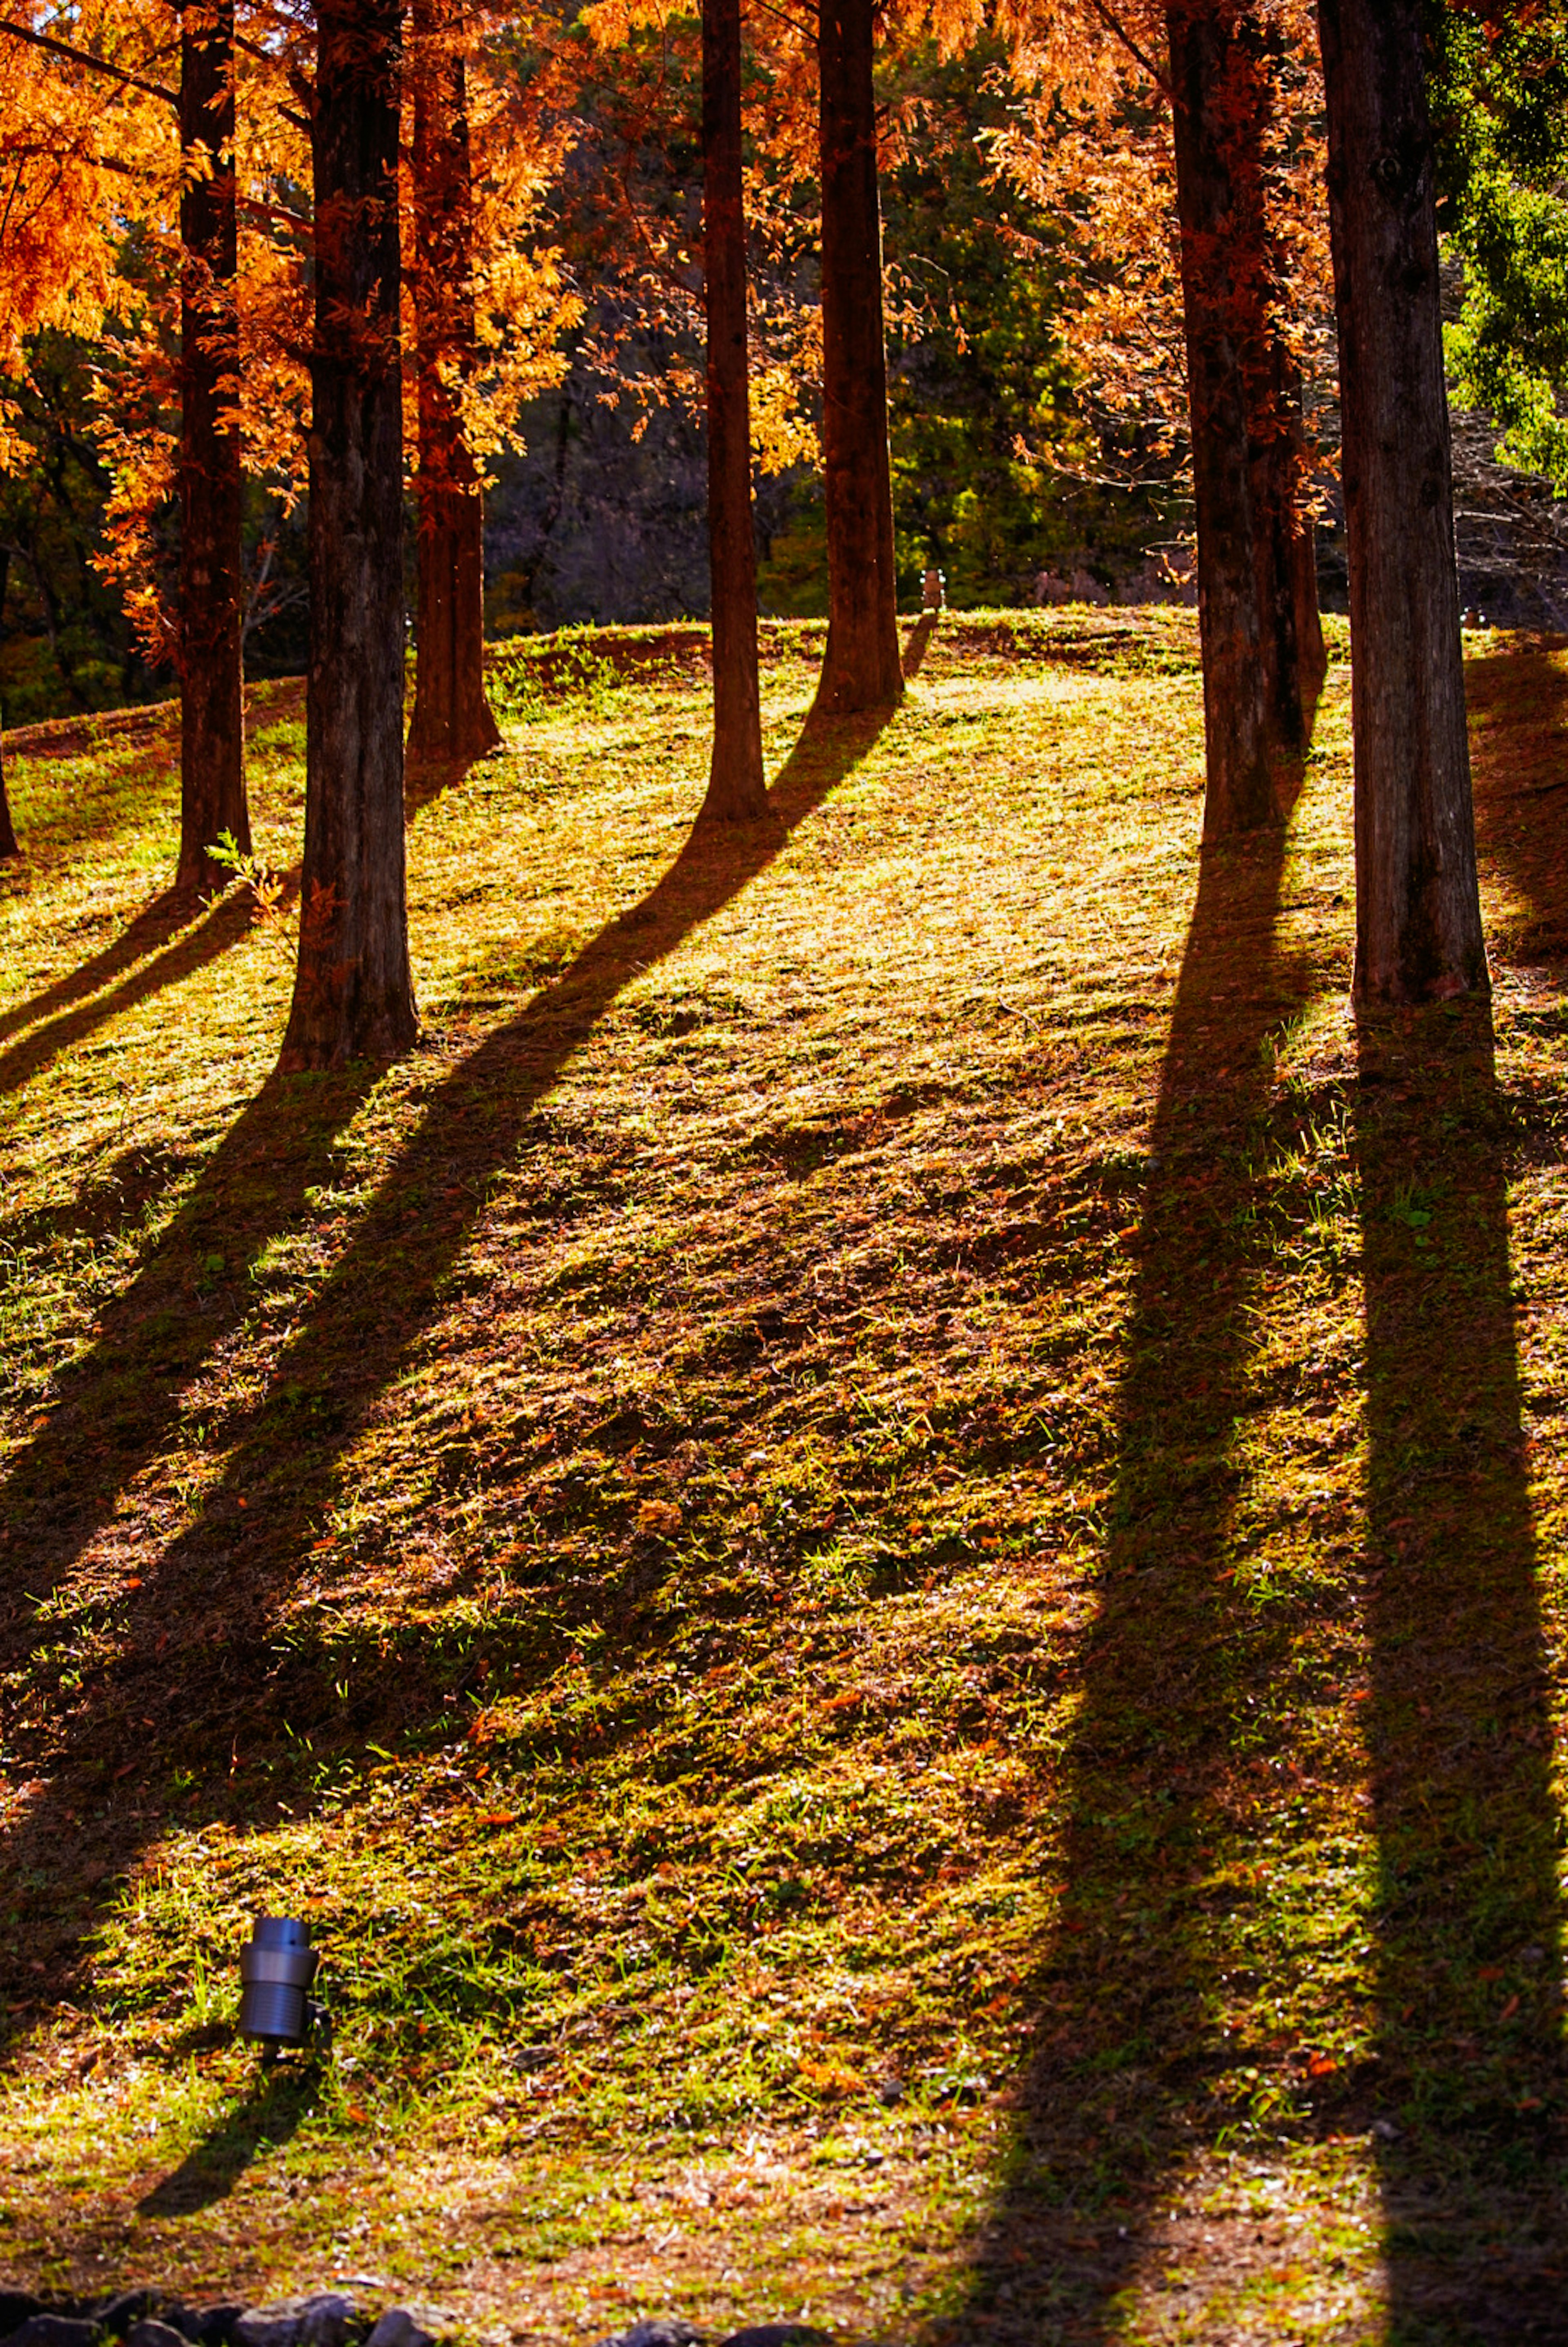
883 1546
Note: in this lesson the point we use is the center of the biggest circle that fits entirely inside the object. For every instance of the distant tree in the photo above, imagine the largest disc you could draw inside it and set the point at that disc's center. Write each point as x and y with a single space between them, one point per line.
861 667
1418 909
736 786
453 720
353 992
1202 249
210 651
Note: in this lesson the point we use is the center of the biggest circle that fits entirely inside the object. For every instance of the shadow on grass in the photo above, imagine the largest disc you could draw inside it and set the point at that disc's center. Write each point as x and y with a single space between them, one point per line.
1459 1719
1469 2070
1170 1767
184 952
191 1667
268 2117
1519 705
918 643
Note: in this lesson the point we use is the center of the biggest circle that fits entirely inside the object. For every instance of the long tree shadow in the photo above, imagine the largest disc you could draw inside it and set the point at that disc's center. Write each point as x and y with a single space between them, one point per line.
182 955
193 1624
1518 700
1470 2069
153 928
1169 1769
1459 1728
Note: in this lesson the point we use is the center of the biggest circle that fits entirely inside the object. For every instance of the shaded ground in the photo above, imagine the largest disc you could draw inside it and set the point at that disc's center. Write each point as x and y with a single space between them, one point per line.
883 1545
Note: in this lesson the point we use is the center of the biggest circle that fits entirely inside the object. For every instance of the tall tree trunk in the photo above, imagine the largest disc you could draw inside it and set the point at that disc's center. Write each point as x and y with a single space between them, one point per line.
861 668
736 787
9 844
211 583
452 723
353 994
1285 550
1213 110
1418 908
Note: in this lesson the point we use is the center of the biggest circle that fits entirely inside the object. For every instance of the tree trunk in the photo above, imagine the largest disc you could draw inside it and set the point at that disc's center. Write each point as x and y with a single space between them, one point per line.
861 668
353 994
452 723
1418 908
9 844
1214 121
736 786
211 583
1285 552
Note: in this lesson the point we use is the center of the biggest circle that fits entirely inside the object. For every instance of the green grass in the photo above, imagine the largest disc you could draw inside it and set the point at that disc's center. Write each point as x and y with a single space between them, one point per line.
883 1545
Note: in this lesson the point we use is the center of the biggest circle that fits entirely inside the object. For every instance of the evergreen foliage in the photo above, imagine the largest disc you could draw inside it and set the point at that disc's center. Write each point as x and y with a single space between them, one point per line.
1501 112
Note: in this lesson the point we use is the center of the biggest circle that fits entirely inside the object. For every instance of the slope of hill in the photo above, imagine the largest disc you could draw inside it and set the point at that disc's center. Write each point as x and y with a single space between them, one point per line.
883 1547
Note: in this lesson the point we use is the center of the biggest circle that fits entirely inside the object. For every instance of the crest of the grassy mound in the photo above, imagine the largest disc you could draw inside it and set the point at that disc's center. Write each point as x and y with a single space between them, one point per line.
879 1547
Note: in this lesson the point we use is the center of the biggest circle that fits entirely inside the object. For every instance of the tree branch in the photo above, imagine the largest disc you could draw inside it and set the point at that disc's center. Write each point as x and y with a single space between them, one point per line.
86 57
1109 18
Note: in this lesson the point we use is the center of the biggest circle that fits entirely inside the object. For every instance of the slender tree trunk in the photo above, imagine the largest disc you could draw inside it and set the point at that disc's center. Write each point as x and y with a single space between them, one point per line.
1221 247
1418 908
452 723
9 844
736 787
211 581
1285 551
861 668
353 994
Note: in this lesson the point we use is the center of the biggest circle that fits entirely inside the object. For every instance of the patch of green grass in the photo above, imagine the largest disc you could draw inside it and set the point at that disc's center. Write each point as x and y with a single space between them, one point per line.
882 1546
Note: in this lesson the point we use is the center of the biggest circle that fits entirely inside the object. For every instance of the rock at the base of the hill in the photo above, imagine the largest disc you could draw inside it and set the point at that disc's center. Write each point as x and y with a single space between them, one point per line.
153 2333
320 2321
15 2307
397 2328
667 2331
54 2330
777 2335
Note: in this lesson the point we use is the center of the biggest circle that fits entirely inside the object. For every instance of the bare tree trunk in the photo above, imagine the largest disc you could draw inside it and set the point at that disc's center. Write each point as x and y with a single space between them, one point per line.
453 722
1418 908
211 581
861 668
1220 216
353 994
736 786
1286 554
9 844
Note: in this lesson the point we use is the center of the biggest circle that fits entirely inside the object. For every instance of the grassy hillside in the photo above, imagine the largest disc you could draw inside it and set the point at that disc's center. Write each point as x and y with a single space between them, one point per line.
883 1545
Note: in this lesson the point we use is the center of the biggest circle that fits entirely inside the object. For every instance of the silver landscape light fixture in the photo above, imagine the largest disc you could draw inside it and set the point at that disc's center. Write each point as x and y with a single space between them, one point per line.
277 1968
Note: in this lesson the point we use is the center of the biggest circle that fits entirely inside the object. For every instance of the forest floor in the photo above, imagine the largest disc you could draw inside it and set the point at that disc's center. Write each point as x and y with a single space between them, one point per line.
883 1546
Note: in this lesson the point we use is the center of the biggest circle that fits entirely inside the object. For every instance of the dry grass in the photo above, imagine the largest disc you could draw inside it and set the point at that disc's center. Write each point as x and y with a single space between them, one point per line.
884 1544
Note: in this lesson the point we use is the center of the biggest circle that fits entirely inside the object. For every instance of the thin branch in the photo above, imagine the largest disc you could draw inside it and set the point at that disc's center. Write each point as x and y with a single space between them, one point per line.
785 19
1108 17
86 57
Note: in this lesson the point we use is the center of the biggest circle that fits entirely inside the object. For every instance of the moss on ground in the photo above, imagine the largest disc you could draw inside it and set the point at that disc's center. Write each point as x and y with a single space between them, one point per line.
883 1545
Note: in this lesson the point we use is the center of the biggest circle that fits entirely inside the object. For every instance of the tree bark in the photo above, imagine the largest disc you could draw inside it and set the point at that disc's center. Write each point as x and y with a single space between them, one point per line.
1285 552
1418 908
452 723
861 668
354 993
1213 115
211 580
10 846
736 786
